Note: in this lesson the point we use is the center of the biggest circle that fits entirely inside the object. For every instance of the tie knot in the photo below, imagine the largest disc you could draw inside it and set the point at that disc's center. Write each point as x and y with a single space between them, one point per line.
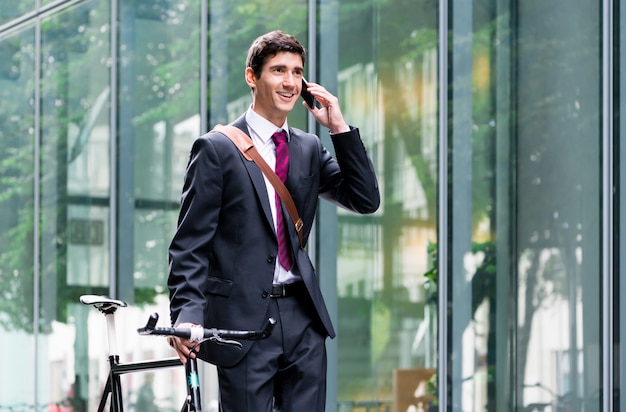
279 137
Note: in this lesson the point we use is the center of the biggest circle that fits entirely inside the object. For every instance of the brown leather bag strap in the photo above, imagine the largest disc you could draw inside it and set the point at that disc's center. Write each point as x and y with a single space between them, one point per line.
246 147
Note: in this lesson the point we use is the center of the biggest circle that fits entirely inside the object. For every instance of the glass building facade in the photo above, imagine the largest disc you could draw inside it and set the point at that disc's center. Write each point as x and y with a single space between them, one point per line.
489 280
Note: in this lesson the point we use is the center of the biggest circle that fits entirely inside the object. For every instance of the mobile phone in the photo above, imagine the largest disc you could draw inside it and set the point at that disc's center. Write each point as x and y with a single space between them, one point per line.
308 97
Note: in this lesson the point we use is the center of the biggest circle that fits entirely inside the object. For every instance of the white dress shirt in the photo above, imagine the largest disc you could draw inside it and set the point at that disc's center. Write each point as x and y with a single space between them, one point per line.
261 131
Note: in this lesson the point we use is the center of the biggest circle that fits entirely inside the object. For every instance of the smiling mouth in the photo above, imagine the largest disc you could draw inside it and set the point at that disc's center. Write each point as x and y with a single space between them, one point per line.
287 95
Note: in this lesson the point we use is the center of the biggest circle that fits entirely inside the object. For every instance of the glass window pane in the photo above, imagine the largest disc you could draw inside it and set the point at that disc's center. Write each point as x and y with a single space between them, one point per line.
233 25
524 214
17 157
11 10
386 278
558 243
478 275
74 191
158 116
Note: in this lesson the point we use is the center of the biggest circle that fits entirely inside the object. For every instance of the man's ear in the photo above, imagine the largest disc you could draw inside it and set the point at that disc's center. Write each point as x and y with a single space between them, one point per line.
250 78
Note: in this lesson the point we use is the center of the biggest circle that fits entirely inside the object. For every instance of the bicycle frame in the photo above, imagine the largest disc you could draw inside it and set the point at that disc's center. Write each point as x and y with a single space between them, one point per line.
113 387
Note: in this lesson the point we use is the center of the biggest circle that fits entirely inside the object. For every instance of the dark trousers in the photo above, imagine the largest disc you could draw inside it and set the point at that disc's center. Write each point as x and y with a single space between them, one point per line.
285 372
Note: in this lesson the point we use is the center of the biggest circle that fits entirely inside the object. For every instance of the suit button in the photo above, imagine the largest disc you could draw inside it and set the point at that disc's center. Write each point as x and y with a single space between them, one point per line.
271 259
265 294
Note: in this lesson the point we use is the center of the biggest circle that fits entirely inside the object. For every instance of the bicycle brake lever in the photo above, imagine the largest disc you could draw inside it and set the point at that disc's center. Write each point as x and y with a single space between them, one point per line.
226 342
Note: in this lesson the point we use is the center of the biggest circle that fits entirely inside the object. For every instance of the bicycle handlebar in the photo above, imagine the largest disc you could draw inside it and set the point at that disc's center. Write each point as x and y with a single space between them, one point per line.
221 336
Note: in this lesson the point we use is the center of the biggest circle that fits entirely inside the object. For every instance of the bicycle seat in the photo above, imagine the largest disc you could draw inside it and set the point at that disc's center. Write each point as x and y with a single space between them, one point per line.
104 304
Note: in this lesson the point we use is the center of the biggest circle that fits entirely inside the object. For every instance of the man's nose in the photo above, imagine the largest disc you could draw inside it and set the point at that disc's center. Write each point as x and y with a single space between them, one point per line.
289 79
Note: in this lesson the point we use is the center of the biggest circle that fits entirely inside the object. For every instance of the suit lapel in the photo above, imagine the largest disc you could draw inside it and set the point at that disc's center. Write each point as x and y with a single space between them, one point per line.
258 181
256 176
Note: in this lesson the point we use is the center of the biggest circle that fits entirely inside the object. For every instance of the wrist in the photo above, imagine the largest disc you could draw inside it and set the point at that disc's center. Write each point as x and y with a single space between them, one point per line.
339 129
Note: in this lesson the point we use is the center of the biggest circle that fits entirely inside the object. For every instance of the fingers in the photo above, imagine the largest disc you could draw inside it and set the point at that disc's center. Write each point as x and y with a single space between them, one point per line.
323 96
329 114
184 348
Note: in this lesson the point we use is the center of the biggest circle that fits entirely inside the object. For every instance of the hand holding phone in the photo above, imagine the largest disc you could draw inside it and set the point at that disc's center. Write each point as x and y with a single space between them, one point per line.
308 97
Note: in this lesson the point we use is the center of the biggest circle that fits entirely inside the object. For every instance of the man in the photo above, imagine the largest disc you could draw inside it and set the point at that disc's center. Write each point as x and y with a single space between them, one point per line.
225 267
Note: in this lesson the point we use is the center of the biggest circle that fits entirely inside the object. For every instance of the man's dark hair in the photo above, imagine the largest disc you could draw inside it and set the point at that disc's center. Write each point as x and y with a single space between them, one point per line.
269 45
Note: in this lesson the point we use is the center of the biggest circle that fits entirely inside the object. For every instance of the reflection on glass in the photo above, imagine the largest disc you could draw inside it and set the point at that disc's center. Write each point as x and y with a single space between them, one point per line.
17 127
541 219
475 275
160 92
11 10
74 192
558 239
386 276
45 2
233 25
159 116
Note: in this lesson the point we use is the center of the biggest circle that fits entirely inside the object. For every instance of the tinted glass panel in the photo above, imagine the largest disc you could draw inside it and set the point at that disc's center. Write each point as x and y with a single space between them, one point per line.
529 230
74 187
158 116
11 10
17 158
558 247
386 279
158 113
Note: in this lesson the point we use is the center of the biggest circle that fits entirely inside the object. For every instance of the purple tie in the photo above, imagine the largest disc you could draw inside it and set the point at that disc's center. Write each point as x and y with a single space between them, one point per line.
282 166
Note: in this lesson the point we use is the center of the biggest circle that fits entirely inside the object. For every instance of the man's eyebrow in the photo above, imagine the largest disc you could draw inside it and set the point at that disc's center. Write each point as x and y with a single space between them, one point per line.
282 66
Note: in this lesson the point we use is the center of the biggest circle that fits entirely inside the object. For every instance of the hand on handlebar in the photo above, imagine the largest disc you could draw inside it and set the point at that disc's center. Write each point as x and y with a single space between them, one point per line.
185 348
186 337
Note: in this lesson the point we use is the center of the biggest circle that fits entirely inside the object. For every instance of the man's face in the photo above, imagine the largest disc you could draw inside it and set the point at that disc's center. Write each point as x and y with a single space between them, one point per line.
277 90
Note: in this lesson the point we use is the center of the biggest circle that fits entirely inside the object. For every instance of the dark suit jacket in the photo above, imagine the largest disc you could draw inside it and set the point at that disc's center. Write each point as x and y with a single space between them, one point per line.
223 254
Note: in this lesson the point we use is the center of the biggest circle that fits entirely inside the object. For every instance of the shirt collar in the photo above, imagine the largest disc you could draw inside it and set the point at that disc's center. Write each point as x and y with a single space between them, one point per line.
263 127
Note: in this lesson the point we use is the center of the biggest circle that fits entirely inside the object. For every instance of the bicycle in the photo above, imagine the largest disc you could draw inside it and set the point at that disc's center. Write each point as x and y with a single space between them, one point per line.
192 403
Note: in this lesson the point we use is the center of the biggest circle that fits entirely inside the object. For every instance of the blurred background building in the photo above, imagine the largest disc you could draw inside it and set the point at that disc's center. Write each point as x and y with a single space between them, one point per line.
489 280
